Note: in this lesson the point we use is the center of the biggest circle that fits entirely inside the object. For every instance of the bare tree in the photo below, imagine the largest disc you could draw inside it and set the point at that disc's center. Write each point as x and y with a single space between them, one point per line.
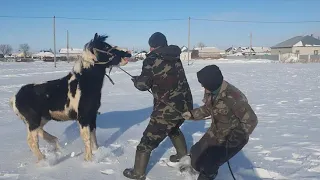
201 45
5 49
25 49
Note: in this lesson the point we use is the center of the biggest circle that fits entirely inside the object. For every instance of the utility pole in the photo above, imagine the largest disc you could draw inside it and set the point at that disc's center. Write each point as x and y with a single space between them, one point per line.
54 41
68 46
189 40
250 44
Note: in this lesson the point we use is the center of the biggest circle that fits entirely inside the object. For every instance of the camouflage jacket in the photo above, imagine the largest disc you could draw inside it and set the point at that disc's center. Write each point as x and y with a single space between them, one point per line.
163 73
232 116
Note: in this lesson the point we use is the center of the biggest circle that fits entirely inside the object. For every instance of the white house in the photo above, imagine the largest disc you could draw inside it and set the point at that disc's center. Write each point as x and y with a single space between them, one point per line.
241 51
303 45
43 54
184 49
261 50
209 52
73 52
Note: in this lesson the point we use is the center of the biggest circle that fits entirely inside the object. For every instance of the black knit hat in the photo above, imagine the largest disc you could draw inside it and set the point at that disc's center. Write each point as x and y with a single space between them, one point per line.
158 40
210 77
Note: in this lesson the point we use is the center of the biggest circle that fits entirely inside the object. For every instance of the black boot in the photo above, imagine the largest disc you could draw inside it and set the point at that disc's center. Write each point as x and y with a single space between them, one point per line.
140 165
180 145
207 177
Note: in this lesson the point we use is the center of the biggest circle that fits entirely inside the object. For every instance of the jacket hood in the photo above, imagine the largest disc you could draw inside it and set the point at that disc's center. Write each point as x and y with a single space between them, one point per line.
171 52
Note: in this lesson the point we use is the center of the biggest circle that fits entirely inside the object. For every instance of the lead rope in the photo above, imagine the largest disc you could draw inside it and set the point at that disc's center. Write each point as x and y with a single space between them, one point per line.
152 94
228 160
181 114
108 76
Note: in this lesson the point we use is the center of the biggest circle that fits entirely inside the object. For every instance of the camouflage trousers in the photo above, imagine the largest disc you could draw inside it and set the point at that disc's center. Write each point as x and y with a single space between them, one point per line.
156 131
207 158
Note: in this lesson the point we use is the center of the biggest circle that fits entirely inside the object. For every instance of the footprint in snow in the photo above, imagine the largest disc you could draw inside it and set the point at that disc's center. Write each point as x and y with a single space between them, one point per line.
260 105
287 135
315 169
314 129
254 139
107 171
272 158
266 152
282 102
297 156
305 99
303 143
292 161
8 176
117 149
133 141
273 115
261 173
258 108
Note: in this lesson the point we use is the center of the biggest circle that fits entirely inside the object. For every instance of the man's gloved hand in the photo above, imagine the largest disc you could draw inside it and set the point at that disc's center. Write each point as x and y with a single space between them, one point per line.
187 115
134 78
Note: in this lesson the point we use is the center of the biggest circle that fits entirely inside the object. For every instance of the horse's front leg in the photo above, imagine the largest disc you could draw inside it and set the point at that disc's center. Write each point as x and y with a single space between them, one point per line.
86 137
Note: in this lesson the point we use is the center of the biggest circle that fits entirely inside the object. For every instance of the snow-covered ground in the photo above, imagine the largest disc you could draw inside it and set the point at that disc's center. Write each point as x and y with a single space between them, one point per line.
285 144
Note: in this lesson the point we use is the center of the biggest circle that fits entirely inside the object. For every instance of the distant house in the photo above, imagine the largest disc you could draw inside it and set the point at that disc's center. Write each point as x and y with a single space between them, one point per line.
46 56
73 52
303 45
244 51
208 52
261 50
43 54
184 49
231 50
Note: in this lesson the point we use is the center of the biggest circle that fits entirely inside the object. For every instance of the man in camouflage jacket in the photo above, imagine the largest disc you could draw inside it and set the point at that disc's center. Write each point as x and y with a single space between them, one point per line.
163 73
233 120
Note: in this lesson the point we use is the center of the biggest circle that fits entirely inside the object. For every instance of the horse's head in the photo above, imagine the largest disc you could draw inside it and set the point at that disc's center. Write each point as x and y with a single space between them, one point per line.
97 51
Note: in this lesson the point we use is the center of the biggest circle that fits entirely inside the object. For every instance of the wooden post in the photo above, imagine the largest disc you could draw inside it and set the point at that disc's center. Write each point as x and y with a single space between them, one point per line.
189 41
54 41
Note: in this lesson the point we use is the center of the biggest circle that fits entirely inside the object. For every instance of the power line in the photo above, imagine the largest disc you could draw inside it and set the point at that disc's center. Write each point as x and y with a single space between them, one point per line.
173 19
91 19
260 22
26 17
103 19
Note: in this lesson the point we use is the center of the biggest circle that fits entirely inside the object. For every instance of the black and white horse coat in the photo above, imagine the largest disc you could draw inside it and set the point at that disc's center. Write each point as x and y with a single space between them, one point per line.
76 96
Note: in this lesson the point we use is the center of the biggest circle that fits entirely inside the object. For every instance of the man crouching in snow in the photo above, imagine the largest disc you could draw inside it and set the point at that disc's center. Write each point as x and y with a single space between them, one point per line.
233 120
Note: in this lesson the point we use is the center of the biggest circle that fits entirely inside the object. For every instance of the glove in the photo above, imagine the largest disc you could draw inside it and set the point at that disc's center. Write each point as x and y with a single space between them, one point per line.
134 78
187 115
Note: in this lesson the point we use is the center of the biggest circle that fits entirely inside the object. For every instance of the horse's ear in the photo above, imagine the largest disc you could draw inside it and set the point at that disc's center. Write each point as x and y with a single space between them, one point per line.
95 36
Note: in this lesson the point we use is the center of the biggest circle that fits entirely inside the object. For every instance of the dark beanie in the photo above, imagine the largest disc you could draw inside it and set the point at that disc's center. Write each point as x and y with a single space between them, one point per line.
158 40
210 77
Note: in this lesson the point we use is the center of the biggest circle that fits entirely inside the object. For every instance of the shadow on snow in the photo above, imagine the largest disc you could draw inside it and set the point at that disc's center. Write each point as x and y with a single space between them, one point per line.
123 120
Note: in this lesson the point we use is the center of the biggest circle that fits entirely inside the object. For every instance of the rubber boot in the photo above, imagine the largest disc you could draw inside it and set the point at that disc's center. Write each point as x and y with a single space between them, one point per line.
179 142
206 177
140 165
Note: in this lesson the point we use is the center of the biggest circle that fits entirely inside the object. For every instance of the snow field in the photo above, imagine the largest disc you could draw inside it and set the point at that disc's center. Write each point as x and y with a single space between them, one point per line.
285 144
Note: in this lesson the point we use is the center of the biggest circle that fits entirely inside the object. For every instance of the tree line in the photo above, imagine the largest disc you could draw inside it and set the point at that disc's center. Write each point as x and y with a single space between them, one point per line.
6 49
